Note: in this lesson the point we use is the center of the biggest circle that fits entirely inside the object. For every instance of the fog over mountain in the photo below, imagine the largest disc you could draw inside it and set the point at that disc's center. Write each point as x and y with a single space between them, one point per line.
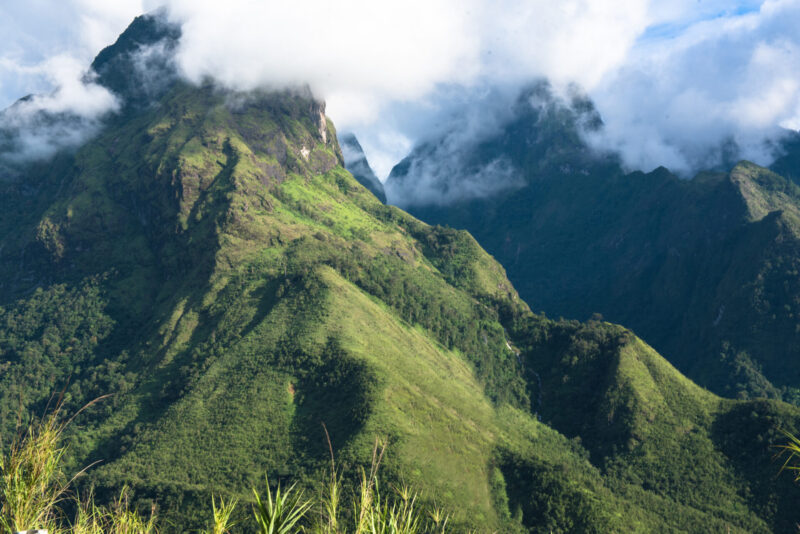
676 83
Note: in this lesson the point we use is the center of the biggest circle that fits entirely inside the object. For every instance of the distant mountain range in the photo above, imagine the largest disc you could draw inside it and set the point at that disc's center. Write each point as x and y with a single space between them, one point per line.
704 269
207 261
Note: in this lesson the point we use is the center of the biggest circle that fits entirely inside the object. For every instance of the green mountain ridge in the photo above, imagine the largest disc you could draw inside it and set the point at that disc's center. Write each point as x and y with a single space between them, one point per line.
209 263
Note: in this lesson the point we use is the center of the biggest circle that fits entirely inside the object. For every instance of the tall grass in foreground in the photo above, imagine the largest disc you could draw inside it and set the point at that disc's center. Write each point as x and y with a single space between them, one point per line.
372 512
33 488
119 518
397 512
31 482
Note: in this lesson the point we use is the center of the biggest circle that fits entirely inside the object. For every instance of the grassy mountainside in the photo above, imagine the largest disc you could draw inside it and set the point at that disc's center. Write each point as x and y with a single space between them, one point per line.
209 262
223 276
702 269
646 425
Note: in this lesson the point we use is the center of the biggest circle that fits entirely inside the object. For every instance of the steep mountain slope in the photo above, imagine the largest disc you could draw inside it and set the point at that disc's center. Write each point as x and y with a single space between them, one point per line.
703 269
138 67
208 262
223 276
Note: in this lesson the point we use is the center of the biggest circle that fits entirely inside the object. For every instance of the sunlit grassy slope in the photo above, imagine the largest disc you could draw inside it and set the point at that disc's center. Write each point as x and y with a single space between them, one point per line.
209 263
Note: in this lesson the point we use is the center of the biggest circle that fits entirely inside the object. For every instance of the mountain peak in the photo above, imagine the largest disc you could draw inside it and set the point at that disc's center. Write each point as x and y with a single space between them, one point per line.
356 162
139 66
533 136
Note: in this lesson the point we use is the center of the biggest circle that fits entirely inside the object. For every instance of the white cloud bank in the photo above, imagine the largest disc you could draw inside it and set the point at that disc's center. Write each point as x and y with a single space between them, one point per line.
42 124
672 79
362 55
40 36
678 99
47 47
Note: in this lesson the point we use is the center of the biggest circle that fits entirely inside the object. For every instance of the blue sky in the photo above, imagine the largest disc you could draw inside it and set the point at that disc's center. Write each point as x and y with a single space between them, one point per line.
674 28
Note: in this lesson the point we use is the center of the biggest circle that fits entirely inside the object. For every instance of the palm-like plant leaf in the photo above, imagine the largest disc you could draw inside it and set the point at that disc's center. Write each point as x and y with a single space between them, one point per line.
221 520
792 451
282 513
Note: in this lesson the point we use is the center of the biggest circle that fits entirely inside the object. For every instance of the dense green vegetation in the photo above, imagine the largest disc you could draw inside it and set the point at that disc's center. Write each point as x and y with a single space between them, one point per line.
643 423
209 264
705 270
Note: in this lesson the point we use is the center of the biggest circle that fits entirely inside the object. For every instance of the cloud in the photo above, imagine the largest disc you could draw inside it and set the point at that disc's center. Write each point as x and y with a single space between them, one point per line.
674 81
362 55
385 68
47 51
356 54
40 125
442 179
37 31
101 21
684 101
449 164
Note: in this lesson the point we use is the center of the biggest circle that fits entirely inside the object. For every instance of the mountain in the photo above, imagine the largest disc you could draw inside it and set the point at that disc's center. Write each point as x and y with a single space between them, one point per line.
207 261
356 163
139 66
702 269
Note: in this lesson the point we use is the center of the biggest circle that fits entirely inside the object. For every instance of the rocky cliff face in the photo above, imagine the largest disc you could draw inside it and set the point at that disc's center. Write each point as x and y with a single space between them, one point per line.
356 162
